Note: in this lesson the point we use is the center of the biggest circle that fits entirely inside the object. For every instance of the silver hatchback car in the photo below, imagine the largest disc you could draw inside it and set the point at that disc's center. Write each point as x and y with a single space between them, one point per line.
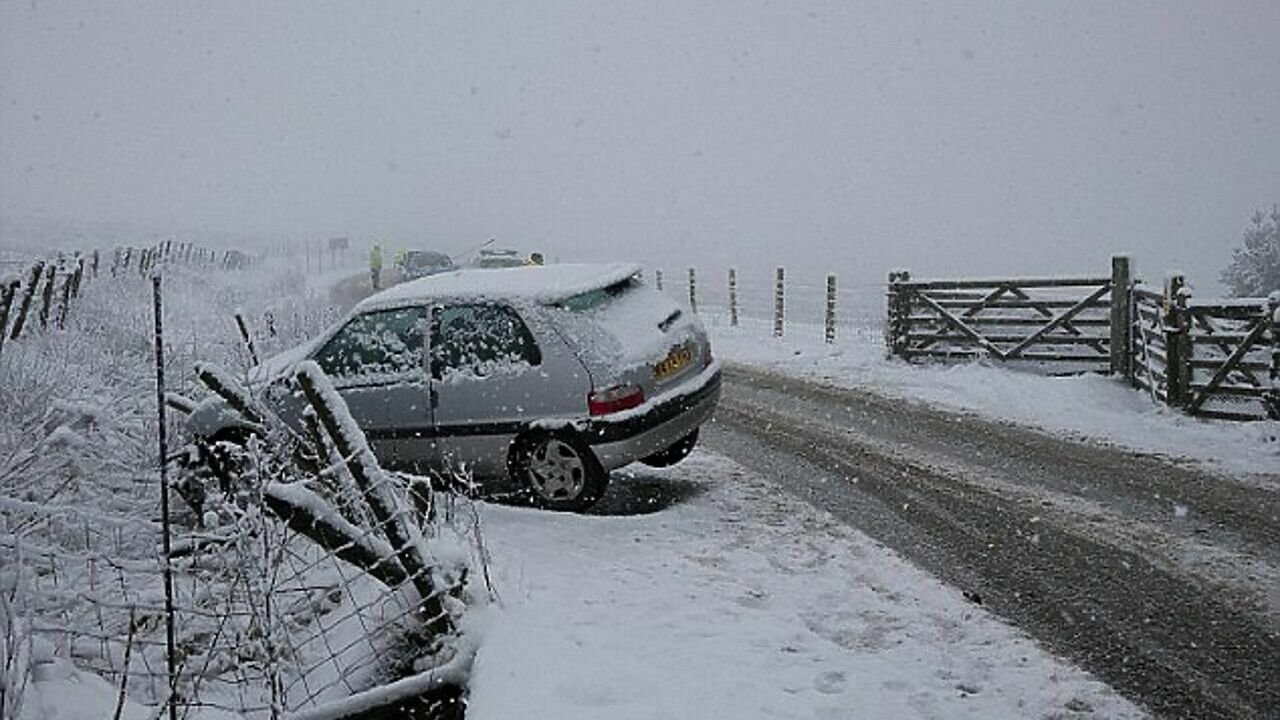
552 376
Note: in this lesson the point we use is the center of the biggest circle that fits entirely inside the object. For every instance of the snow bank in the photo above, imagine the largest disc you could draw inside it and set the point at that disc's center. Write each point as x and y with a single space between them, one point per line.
1093 407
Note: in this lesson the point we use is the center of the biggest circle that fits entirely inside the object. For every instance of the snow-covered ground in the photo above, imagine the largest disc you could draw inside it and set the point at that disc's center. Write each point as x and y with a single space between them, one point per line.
729 599
1096 407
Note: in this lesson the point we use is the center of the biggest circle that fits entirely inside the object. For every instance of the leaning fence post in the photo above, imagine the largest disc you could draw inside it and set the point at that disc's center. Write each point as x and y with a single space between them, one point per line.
1178 369
693 291
830 319
351 444
68 282
733 297
28 294
46 296
1121 289
779 301
248 339
7 293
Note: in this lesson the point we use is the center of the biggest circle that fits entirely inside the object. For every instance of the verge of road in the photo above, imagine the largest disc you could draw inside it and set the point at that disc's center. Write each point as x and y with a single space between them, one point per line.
1161 579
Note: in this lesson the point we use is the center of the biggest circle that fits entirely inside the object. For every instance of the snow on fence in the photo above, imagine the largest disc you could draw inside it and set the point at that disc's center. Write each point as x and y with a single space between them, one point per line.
45 292
1212 358
288 598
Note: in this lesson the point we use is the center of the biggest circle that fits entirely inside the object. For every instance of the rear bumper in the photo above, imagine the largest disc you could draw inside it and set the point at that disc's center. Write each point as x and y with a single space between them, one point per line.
633 435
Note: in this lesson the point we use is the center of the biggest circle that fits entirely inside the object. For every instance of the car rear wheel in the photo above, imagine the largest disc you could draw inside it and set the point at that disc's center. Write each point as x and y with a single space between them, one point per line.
678 451
558 471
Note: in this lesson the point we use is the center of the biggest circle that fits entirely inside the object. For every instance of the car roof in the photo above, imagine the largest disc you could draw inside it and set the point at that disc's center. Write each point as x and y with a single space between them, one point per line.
544 284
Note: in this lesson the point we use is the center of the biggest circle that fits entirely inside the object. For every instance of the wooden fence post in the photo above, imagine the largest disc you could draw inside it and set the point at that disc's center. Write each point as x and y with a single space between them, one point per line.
68 282
1121 297
1273 400
77 277
246 337
779 302
7 293
657 279
733 297
830 333
28 294
1177 349
899 308
46 296
693 291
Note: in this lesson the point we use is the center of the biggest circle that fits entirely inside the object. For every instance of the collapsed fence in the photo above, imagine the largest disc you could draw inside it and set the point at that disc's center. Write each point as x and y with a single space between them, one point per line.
1207 357
288 599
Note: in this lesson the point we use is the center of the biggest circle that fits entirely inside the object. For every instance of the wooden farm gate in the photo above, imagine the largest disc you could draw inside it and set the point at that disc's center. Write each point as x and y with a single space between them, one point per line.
1230 352
1149 355
1064 323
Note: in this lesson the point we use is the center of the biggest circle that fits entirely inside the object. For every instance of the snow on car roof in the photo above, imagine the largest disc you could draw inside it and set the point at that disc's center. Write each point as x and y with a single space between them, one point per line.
540 283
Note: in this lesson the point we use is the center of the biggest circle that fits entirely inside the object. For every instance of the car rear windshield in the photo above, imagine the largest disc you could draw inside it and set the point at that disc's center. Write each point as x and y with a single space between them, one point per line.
598 298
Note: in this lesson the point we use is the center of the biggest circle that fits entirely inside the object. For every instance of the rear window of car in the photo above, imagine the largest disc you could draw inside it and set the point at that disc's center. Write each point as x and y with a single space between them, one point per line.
600 297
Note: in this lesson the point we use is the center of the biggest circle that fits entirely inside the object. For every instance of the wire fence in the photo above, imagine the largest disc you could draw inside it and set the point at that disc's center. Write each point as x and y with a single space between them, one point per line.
793 305
268 622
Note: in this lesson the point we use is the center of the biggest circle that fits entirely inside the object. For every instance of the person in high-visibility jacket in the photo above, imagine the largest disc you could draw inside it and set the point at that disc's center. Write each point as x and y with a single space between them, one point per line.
375 265
534 259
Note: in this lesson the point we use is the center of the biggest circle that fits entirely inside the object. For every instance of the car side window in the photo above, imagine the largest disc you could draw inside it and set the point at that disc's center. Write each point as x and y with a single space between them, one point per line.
481 339
376 347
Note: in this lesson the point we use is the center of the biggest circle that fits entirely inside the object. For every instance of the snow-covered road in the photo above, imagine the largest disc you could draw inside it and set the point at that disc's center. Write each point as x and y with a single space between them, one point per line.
707 591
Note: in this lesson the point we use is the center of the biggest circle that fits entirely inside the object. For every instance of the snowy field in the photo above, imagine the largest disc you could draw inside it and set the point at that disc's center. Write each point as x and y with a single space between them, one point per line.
726 598
698 591
1095 407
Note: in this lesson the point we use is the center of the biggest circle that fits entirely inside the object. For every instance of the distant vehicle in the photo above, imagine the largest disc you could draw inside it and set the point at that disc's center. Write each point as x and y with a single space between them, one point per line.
498 258
551 376
421 263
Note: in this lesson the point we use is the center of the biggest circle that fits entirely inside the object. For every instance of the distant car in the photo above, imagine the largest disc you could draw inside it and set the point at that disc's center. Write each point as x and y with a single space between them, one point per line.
421 263
498 258
552 376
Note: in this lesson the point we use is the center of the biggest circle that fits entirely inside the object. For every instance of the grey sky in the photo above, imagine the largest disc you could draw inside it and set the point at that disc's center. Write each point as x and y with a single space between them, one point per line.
975 137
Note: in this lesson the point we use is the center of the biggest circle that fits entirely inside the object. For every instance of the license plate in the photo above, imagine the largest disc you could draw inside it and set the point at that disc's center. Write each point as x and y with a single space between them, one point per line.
679 359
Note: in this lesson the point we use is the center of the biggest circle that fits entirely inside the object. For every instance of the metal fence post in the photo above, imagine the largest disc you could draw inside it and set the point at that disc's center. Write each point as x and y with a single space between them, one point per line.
830 323
1178 370
693 291
779 302
170 646
733 297
1121 297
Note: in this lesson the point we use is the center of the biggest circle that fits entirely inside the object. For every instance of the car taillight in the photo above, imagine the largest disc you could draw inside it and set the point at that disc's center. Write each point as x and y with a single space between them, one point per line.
614 399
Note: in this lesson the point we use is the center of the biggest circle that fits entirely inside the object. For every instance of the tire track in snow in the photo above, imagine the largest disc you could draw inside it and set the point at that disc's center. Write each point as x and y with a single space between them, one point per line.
1078 544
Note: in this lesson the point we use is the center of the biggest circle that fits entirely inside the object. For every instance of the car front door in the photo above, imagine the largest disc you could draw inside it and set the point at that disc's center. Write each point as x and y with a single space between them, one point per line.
377 362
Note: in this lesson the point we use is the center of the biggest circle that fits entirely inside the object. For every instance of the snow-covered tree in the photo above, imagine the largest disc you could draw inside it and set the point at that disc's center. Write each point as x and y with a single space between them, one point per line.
1255 268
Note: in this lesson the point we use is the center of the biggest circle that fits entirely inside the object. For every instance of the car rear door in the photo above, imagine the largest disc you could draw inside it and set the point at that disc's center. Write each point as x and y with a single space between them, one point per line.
377 362
495 370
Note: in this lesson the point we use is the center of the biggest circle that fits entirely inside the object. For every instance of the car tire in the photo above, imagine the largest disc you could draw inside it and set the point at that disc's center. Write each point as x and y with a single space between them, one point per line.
557 471
678 451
